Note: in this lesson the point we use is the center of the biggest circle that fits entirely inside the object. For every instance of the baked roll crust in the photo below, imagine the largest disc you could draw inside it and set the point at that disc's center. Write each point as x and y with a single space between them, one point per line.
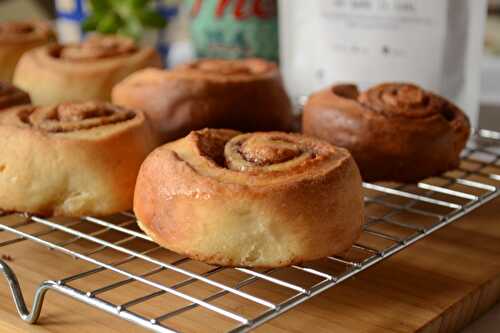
71 159
12 96
395 131
246 95
257 200
59 73
17 37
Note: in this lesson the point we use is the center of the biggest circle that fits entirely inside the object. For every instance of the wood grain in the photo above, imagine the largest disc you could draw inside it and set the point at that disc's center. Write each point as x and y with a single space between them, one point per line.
439 284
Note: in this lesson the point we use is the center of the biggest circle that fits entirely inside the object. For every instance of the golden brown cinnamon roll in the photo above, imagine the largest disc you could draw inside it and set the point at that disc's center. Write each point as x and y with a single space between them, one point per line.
246 95
17 37
258 199
71 159
12 96
395 131
80 72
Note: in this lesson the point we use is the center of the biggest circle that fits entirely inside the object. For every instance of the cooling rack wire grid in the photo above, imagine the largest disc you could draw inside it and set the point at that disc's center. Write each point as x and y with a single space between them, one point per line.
122 272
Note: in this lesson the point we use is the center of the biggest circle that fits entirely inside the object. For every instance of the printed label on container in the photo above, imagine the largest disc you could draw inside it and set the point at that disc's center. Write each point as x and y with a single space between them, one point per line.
389 39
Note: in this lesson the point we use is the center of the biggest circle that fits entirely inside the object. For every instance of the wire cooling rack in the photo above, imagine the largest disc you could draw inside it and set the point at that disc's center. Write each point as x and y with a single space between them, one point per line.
129 276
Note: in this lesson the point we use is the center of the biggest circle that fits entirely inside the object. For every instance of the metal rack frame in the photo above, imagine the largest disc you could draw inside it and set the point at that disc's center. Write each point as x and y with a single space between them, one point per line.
441 201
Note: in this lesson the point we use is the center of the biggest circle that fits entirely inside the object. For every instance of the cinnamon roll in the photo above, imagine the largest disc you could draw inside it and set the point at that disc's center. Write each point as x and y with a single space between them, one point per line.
263 199
395 131
11 96
17 37
246 95
71 159
80 72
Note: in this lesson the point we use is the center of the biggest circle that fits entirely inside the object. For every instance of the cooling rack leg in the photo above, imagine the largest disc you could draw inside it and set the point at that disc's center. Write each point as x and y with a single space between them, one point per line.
17 295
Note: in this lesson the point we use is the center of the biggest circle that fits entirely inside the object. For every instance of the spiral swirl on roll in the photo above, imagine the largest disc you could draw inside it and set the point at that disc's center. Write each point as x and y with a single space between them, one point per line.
262 151
22 31
250 66
16 28
257 199
395 131
69 117
408 100
261 154
397 99
95 47
11 96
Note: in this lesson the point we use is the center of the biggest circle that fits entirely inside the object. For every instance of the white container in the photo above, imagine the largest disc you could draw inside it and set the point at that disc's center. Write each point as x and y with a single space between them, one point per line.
436 44
490 81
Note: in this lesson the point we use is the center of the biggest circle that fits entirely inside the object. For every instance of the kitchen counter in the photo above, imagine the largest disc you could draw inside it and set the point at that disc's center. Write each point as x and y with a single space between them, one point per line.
487 323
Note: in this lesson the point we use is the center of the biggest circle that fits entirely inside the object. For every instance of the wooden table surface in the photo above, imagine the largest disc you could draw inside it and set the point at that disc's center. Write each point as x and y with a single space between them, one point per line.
439 284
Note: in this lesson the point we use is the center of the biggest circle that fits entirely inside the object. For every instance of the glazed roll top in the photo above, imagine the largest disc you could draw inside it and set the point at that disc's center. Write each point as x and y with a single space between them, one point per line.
11 96
246 94
94 48
259 158
405 100
72 159
81 72
395 131
67 118
22 32
218 68
17 38
258 199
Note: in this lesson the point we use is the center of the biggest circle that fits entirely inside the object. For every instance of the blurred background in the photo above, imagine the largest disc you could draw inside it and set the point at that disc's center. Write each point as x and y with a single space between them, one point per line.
213 28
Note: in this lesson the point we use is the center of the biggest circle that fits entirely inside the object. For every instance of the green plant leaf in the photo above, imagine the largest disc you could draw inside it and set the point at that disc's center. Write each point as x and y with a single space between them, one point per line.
138 4
127 17
122 8
109 24
132 28
100 5
90 23
151 18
